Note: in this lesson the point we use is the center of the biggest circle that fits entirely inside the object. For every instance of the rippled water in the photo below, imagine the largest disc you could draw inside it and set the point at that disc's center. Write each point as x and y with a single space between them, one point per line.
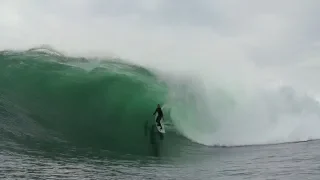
294 161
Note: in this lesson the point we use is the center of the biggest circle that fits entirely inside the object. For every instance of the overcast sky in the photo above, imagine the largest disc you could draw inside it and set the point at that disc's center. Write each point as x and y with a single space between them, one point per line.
273 33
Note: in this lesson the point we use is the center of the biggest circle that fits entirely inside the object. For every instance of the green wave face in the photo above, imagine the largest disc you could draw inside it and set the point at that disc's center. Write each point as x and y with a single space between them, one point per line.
48 101
89 103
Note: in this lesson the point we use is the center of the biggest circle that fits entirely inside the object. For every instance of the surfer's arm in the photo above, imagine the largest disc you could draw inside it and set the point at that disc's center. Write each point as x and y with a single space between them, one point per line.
155 112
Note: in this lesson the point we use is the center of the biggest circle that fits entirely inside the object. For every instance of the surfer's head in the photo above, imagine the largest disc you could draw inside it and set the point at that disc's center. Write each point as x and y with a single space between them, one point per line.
158 105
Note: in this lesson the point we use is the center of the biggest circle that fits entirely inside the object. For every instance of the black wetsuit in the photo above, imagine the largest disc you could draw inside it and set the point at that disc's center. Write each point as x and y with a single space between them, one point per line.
160 115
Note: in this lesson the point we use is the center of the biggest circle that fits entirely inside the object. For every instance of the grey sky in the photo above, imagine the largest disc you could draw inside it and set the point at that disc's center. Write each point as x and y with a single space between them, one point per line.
269 33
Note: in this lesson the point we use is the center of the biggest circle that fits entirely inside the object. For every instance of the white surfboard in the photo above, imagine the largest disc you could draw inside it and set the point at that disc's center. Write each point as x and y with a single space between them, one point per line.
162 130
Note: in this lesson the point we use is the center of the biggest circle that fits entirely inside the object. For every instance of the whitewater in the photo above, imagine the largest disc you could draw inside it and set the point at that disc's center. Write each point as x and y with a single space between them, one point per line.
208 107
92 112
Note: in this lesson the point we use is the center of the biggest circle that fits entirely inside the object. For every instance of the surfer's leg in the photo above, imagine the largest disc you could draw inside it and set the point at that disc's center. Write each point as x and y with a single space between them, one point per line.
158 121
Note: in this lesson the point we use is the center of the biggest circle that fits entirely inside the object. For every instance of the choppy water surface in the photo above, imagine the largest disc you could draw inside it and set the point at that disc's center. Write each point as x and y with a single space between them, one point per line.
285 161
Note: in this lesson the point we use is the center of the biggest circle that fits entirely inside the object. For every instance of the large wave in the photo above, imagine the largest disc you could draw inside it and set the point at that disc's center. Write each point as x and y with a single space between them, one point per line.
99 104
105 104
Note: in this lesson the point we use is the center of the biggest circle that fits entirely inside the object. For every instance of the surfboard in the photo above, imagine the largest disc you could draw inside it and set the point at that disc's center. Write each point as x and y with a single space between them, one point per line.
158 127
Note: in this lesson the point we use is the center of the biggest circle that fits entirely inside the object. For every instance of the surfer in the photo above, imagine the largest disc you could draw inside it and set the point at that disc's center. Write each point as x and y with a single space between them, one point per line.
160 115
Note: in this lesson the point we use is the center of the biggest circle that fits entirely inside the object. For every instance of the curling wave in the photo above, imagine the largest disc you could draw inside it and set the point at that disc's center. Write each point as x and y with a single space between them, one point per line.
47 96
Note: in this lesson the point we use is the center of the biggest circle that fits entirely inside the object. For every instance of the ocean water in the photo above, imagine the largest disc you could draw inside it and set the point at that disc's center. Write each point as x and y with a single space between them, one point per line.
77 118
284 161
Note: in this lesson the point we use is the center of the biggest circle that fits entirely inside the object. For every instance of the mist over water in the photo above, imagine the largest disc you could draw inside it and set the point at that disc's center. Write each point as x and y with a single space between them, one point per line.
208 107
97 102
211 110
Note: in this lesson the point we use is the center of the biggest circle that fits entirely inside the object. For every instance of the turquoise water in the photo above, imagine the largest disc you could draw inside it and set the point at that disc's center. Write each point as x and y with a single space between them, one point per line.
76 118
102 107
